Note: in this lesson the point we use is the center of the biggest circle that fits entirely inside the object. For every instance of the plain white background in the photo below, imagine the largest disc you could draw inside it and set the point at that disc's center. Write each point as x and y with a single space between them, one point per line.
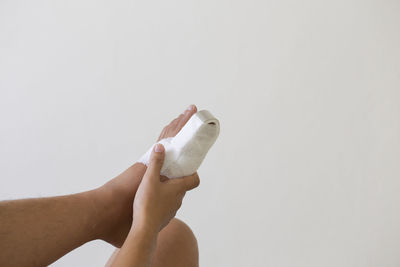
306 171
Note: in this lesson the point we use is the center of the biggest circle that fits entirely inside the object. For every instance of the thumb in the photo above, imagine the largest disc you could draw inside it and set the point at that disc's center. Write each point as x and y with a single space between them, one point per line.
156 159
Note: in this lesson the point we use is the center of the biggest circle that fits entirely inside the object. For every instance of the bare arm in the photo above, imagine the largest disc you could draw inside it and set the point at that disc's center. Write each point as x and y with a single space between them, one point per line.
36 232
156 203
138 248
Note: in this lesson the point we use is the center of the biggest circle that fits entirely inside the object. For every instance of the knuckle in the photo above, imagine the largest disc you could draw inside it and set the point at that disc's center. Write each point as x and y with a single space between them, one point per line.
156 159
155 156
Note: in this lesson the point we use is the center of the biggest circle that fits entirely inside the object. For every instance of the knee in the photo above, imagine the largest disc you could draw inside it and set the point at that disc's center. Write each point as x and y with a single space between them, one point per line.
177 240
180 231
177 233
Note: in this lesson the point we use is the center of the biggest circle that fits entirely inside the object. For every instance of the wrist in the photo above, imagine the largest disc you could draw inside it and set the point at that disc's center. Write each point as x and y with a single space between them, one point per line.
142 233
144 224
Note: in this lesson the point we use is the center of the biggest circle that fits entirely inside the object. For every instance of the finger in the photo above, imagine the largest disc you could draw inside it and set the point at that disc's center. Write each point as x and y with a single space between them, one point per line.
187 183
156 160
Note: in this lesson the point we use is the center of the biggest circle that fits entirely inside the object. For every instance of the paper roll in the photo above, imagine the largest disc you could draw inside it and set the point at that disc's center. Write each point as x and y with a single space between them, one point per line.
185 152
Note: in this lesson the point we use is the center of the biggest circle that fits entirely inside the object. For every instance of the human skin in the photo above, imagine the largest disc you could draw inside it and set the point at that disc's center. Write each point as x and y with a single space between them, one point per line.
176 247
156 203
37 232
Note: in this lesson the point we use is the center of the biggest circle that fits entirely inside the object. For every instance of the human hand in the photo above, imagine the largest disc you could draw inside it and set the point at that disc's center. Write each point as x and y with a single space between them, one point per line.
117 195
158 198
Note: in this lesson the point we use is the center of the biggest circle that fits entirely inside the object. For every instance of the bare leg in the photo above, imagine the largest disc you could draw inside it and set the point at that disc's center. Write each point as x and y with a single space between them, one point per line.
176 247
36 232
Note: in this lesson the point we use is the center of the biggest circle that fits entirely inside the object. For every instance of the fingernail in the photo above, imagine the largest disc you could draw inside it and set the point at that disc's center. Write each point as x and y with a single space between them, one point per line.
191 107
158 148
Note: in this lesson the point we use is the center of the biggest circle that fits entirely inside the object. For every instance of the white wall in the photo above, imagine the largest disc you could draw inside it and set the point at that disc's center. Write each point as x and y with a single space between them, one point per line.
306 171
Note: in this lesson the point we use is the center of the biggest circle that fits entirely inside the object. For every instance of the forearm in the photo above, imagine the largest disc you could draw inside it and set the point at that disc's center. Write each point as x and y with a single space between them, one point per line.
36 232
138 248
